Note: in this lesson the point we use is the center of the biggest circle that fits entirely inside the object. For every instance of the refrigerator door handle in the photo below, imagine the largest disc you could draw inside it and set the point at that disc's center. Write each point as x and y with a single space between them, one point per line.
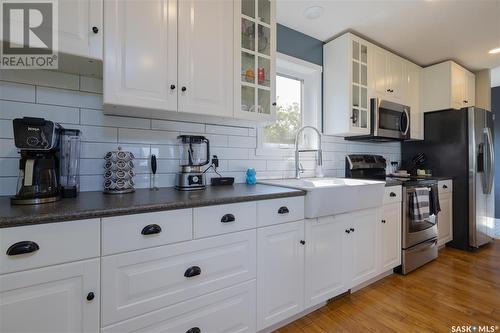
491 161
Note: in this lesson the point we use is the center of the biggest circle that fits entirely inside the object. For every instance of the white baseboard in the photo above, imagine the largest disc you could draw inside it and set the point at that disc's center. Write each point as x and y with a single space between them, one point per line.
292 318
374 279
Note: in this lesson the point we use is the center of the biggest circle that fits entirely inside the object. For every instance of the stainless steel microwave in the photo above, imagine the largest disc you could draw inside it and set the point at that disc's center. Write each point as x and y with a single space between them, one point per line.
389 122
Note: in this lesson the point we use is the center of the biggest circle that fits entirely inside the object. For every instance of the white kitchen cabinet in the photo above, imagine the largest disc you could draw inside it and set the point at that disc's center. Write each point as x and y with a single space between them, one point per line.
413 95
345 86
61 298
205 63
363 231
140 58
388 78
445 216
390 236
227 310
255 59
80 27
327 259
280 272
447 85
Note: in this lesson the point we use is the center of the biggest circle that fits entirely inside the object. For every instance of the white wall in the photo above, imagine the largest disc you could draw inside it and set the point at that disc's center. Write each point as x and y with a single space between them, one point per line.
76 102
495 77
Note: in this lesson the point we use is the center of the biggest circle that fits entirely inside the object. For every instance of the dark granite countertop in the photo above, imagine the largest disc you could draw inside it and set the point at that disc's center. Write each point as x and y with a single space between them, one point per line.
96 204
392 182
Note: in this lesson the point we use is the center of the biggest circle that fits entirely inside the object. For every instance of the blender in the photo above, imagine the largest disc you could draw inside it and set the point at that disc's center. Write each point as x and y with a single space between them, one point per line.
194 153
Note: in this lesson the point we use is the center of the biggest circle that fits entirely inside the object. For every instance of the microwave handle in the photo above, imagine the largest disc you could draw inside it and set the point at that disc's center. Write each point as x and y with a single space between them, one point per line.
406 116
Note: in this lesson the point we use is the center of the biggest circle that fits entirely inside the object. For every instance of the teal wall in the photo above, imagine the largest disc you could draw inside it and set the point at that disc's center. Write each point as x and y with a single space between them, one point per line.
299 45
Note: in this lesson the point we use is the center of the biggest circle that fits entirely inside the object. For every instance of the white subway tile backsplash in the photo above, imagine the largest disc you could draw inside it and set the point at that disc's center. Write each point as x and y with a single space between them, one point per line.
17 92
128 135
227 130
177 126
91 84
45 95
7 148
6 130
60 114
98 118
41 78
76 102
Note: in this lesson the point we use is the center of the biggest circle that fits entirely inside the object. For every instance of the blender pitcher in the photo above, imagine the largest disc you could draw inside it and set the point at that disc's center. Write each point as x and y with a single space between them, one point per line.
70 162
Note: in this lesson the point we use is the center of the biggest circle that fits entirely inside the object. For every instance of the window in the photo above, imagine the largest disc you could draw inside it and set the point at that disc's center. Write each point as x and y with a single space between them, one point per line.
288 111
298 103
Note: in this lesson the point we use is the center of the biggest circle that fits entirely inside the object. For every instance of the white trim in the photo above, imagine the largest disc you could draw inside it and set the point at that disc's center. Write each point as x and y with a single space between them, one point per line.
311 75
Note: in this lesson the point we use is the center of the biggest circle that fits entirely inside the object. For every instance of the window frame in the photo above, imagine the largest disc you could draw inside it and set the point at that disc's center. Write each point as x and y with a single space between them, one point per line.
311 76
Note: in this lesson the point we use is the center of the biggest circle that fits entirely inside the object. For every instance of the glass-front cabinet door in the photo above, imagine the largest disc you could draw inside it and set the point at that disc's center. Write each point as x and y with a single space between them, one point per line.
255 59
360 113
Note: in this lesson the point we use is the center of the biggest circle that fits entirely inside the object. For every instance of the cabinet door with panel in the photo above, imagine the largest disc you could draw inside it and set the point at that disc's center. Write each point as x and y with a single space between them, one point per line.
458 86
445 219
395 68
413 81
255 59
80 27
470 89
205 63
61 298
362 230
140 58
280 272
390 236
326 259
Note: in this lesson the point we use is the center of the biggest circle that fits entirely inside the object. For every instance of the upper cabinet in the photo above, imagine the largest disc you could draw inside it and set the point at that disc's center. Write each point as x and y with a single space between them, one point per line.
80 28
254 59
205 63
188 61
346 86
448 85
356 71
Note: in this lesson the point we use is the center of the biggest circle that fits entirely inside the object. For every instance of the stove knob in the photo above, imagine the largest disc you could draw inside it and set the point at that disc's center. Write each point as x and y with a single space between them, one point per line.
195 179
32 141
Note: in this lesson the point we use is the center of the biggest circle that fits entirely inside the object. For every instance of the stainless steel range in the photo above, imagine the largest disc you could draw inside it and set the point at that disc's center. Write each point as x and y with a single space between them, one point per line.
419 236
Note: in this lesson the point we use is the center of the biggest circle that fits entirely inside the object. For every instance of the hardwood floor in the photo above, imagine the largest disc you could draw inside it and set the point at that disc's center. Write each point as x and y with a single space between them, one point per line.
459 288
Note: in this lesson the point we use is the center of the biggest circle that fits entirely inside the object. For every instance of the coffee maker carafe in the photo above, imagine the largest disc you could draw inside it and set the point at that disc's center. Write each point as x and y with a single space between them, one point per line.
39 144
195 153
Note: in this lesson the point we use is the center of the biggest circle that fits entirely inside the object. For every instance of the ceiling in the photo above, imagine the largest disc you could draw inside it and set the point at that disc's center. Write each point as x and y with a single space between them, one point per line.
424 31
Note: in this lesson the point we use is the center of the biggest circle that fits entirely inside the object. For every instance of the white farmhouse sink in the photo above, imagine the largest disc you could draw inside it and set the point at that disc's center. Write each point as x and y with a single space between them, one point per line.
331 196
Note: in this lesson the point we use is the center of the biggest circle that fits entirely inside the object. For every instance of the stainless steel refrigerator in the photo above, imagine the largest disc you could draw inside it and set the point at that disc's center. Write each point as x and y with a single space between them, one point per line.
459 144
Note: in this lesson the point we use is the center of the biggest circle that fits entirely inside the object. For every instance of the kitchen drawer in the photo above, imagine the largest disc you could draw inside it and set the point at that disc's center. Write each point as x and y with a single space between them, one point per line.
138 282
282 210
222 219
445 186
51 244
393 194
140 231
228 310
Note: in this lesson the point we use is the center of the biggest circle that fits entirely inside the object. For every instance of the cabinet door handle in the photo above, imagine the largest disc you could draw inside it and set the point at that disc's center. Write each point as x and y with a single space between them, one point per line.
274 103
22 248
151 229
194 330
352 229
445 187
172 86
95 30
383 221
466 101
183 88
392 194
283 210
228 218
303 242
90 296
192 271
348 231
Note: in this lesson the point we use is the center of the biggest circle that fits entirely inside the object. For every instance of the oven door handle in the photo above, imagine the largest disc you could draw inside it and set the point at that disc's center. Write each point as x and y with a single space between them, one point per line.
404 117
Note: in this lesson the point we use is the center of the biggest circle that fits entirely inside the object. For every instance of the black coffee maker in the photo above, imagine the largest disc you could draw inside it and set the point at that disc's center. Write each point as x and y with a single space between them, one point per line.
44 161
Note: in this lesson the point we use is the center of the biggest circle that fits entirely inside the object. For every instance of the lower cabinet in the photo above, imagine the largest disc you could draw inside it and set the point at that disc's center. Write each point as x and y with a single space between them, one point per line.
280 272
390 236
60 298
327 258
228 310
445 219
